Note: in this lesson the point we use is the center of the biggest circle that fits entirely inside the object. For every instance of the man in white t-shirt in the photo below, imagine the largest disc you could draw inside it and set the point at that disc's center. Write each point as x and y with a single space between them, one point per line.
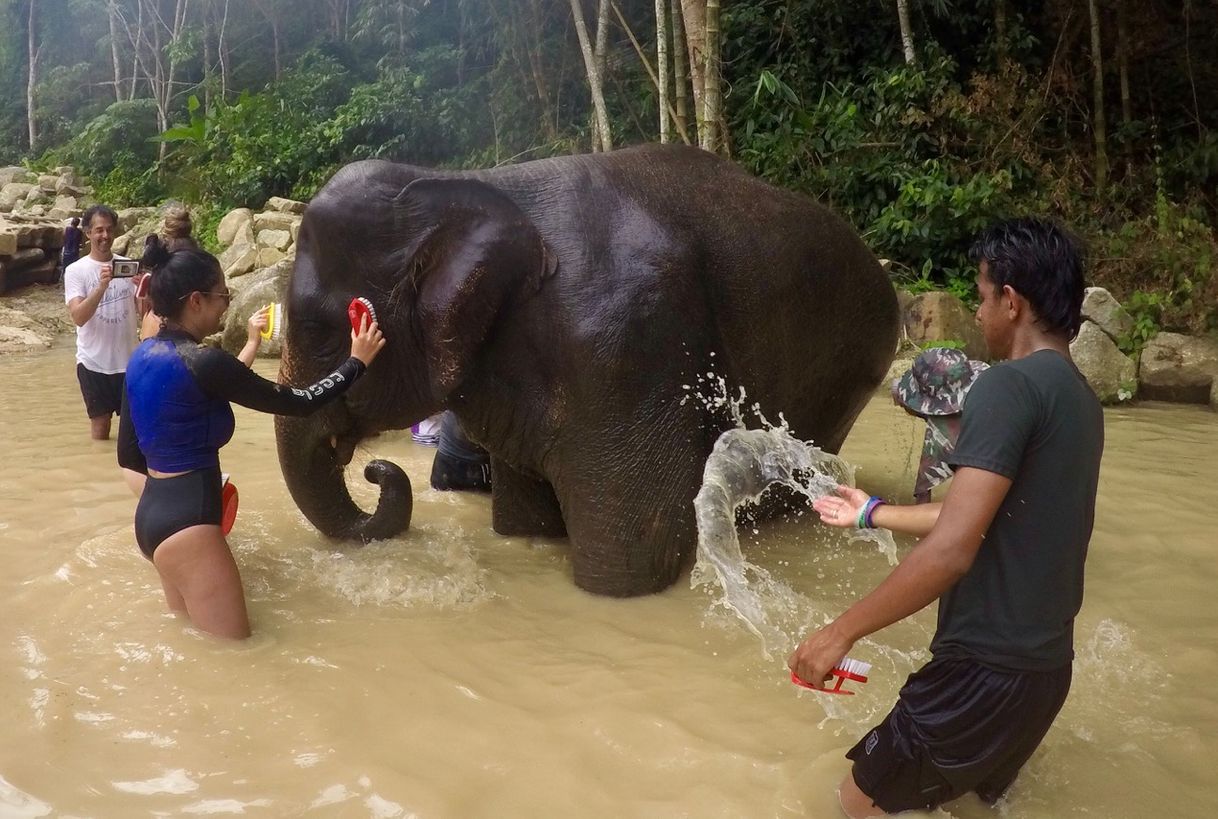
103 310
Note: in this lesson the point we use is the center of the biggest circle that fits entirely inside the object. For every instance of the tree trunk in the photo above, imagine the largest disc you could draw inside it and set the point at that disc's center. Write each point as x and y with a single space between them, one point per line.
907 42
662 67
166 96
712 94
651 74
31 83
537 67
594 80
1000 29
208 62
680 72
1123 61
599 54
137 42
694 16
1097 115
112 13
222 53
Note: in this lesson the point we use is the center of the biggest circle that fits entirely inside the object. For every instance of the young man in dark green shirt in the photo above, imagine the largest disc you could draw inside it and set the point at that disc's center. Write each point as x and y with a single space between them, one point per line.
1003 553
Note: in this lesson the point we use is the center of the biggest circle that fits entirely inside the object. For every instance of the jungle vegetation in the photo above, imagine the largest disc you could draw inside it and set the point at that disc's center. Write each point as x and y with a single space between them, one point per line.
919 120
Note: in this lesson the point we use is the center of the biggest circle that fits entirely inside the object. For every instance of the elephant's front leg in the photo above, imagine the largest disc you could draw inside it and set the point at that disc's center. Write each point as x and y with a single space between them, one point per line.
523 506
630 516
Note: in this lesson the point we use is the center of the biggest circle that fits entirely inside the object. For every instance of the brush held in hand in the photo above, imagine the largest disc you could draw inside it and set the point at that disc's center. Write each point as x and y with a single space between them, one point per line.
847 669
359 308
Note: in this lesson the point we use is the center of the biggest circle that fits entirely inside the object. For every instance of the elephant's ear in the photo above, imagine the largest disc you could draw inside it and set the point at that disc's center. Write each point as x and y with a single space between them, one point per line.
473 250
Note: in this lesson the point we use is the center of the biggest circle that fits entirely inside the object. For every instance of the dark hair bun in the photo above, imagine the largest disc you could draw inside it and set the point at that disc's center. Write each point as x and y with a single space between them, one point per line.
155 252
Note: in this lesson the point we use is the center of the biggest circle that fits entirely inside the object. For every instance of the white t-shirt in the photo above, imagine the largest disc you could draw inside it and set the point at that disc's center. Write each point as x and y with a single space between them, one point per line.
106 341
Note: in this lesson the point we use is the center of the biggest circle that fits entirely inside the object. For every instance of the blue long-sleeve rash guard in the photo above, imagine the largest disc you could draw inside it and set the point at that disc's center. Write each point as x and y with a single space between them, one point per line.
178 394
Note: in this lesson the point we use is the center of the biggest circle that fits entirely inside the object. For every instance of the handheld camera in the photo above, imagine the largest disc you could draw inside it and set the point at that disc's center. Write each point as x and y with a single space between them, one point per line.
124 268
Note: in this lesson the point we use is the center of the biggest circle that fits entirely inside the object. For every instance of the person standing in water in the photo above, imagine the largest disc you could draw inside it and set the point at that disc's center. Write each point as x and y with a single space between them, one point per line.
103 310
1003 553
933 389
178 394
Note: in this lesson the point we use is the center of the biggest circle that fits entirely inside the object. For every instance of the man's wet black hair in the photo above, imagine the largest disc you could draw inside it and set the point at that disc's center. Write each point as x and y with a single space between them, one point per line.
1041 261
176 274
99 210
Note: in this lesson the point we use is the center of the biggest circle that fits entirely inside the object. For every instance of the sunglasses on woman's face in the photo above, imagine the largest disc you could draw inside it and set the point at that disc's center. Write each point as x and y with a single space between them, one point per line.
228 297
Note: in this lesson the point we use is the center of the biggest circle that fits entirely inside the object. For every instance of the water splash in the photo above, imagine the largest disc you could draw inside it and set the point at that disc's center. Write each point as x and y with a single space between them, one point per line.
742 466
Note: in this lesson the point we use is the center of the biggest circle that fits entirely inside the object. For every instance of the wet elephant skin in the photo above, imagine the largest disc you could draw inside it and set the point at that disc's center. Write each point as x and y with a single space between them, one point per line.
564 309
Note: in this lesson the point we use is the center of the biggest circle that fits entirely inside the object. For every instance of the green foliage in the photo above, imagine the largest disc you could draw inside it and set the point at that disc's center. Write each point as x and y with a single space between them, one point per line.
120 138
126 183
206 219
893 155
1146 310
273 143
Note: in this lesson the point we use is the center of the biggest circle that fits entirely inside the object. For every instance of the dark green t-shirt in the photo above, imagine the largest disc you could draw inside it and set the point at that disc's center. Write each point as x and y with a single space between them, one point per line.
1036 421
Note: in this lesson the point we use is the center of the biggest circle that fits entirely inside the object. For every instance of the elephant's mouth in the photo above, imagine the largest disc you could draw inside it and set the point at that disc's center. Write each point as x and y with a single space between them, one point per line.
344 445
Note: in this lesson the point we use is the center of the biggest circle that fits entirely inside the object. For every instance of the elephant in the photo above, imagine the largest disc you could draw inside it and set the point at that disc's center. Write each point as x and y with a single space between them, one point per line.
562 308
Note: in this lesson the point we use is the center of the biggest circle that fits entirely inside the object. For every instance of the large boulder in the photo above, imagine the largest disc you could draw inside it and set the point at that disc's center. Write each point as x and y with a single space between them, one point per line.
250 294
8 240
38 195
15 173
233 224
940 316
269 256
239 260
272 220
1100 307
12 193
277 239
285 205
1111 373
130 218
1180 368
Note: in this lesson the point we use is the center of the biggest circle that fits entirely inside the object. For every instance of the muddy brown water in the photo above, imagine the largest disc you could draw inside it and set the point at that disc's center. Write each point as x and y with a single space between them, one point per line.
456 673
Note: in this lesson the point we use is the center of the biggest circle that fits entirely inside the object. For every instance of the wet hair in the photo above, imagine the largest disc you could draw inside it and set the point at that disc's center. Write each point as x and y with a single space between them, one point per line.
176 274
100 210
1041 261
75 221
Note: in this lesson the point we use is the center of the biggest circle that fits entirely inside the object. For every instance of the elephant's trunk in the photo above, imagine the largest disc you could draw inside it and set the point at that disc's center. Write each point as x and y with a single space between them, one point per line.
314 475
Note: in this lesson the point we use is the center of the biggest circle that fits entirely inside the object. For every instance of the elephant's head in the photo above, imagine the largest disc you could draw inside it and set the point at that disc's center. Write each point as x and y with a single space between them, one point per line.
439 258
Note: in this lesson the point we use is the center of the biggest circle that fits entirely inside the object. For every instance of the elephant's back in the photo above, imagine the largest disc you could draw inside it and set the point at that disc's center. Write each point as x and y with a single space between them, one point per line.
783 290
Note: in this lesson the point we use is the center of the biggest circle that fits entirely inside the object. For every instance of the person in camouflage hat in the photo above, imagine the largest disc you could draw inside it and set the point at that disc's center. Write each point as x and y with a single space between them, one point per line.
933 389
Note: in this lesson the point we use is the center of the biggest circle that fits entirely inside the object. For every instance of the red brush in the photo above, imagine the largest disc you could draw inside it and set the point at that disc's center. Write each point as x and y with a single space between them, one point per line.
847 669
357 309
228 506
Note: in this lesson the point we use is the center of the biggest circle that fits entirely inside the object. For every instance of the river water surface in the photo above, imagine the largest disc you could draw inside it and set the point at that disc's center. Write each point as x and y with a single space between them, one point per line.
456 673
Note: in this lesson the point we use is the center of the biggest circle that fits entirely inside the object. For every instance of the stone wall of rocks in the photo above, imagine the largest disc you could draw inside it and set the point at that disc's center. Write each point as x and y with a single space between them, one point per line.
259 251
1171 367
33 209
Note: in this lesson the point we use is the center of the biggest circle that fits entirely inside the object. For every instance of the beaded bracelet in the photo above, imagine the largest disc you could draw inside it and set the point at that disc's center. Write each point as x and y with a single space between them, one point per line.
877 503
864 519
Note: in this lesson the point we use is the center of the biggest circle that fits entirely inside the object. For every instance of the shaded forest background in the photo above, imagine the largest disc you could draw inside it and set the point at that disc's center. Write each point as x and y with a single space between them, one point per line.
919 120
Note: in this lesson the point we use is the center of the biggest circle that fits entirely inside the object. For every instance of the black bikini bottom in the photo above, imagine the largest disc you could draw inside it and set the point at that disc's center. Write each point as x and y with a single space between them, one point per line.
169 505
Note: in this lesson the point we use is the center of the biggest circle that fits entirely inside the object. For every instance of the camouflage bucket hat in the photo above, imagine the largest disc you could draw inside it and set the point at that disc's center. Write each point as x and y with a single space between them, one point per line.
937 382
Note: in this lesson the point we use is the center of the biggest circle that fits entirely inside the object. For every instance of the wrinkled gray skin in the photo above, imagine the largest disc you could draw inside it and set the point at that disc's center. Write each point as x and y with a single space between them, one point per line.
558 307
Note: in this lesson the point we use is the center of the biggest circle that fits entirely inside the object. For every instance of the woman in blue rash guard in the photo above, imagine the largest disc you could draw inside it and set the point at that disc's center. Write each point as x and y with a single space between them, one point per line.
178 394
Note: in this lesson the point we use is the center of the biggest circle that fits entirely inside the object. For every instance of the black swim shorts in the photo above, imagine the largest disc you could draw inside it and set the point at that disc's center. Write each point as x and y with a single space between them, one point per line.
103 393
449 473
958 726
169 505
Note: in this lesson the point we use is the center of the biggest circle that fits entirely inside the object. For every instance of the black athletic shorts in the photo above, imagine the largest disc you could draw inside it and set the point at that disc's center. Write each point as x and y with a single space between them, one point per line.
449 473
169 505
958 726
103 393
